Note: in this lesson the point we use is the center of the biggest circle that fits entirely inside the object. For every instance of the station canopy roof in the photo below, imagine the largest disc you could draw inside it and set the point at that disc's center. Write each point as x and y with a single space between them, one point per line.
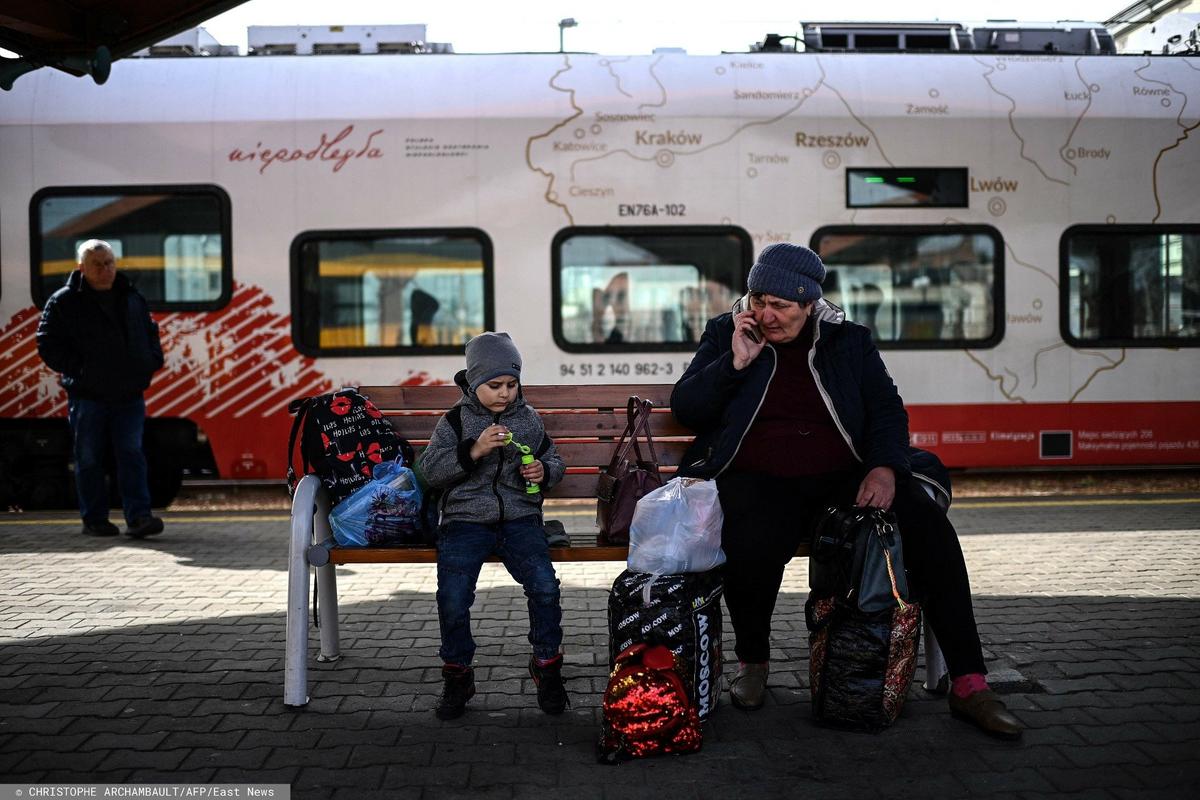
83 37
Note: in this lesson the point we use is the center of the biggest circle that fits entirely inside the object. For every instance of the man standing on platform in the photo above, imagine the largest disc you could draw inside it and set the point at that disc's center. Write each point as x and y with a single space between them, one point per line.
97 333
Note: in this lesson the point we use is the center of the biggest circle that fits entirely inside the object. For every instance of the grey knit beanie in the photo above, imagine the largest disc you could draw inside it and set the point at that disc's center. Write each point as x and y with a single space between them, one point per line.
789 271
490 355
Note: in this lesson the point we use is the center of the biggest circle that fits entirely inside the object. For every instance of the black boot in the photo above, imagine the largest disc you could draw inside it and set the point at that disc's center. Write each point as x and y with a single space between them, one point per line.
457 689
552 694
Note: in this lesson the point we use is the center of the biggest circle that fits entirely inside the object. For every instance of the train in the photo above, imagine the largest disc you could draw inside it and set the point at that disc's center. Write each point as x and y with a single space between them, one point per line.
1019 231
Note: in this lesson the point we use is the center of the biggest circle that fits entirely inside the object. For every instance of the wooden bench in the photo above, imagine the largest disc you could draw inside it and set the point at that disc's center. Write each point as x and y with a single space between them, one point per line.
585 423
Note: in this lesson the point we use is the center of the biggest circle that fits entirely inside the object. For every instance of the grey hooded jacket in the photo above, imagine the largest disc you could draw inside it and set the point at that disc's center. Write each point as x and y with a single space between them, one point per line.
491 489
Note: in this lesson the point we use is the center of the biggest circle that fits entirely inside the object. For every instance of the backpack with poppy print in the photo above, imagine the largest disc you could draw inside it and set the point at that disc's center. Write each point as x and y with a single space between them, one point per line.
342 437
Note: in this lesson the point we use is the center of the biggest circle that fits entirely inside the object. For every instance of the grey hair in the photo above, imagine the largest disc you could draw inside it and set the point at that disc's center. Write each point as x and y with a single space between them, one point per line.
90 245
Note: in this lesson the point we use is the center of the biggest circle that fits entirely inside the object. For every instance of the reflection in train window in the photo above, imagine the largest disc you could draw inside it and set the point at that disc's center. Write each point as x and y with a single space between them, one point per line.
917 286
1131 285
380 292
644 288
172 242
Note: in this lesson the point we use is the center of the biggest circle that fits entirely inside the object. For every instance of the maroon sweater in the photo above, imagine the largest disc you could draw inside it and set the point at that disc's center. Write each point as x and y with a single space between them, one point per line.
793 434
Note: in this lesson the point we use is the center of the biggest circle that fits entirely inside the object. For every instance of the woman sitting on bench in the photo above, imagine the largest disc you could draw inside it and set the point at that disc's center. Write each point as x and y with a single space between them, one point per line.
794 411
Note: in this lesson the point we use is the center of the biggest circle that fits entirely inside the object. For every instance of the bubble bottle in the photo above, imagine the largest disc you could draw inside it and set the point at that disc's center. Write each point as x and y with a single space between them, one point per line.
526 459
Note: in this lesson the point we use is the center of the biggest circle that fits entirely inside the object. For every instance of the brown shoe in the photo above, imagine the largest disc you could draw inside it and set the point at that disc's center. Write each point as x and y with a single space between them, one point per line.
987 712
748 689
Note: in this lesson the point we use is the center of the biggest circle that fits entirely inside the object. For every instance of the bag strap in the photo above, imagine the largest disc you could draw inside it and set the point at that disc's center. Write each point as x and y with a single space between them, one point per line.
299 407
637 414
642 422
620 456
885 528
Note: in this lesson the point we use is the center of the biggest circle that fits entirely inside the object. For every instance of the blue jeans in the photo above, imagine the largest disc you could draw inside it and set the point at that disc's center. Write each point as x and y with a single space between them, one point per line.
521 545
96 423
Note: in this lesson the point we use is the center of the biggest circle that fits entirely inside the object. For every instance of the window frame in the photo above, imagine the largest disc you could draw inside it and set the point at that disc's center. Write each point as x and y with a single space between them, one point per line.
225 221
556 322
360 234
998 281
1064 278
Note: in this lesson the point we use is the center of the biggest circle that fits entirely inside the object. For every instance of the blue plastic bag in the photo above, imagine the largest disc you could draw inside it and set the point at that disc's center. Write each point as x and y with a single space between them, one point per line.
386 511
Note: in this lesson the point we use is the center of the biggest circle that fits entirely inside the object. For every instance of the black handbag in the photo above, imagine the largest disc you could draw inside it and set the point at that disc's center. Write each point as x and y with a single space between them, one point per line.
858 558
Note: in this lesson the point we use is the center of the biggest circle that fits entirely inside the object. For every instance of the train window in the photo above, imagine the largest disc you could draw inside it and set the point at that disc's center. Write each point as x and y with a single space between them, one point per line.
644 288
1130 285
363 293
172 241
917 287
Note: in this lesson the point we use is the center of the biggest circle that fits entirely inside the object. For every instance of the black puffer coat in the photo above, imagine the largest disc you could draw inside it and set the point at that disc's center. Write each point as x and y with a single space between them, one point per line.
720 403
96 356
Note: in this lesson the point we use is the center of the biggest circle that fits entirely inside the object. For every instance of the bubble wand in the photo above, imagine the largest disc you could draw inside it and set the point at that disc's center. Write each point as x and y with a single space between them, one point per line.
526 459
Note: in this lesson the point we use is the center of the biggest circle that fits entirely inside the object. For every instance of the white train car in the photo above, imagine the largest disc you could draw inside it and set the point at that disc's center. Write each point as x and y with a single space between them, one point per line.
1019 231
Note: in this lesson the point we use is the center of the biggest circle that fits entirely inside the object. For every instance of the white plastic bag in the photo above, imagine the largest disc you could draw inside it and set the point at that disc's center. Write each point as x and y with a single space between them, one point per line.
677 528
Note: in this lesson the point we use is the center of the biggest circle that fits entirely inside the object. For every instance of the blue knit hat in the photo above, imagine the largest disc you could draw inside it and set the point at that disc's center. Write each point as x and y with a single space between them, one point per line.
788 271
490 355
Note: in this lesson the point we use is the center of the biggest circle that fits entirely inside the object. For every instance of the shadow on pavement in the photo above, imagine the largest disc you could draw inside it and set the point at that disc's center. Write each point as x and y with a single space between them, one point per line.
1116 708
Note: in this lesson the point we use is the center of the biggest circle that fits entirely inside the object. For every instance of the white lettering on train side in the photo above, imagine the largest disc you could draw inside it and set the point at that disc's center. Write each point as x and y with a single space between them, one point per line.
703 684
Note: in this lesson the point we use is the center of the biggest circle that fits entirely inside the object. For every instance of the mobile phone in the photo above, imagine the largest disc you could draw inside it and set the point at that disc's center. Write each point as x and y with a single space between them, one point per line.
741 305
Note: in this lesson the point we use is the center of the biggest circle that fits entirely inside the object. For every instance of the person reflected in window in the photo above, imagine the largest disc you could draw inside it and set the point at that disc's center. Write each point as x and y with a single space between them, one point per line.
866 300
610 310
422 307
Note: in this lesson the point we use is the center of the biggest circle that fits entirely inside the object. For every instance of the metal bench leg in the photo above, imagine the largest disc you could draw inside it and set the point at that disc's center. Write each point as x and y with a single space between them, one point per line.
295 671
935 664
327 601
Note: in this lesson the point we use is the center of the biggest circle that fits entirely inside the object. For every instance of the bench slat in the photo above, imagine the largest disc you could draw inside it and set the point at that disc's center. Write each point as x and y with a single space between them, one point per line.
428 555
540 397
575 485
580 454
559 426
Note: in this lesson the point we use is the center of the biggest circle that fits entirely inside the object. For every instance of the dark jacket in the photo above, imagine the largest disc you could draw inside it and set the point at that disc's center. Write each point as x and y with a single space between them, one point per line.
99 357
720 403
491 489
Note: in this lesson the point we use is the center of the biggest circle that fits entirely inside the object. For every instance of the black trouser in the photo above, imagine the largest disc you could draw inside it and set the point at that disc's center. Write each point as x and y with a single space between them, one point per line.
766 518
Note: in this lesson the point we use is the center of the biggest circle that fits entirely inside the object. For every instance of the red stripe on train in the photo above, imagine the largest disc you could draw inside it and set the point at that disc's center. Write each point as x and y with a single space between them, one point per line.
230 371
1058 434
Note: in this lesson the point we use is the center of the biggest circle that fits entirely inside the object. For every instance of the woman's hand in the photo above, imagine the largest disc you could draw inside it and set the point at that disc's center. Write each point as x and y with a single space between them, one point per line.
493 436
534 473
878 489
745 348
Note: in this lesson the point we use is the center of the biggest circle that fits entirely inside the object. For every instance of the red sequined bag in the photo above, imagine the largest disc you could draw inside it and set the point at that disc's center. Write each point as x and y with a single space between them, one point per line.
647 710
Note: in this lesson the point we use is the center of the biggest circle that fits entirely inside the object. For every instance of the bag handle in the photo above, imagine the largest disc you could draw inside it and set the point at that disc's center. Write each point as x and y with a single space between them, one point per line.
884 529
638 422
620 456
639 414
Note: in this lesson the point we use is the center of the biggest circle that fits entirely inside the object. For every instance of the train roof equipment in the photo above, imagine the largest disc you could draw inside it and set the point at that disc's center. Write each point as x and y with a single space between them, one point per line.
1066 37
193 42
305 40
886 36
1003 36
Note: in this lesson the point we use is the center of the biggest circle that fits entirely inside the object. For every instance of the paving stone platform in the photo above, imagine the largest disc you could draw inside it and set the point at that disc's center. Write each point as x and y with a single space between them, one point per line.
161 661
